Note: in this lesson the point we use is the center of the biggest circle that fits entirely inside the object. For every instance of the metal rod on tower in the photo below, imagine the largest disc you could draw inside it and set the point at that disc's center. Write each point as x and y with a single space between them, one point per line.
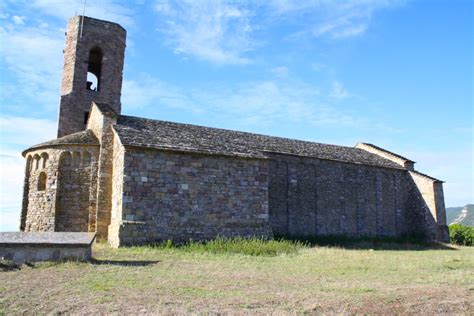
82 20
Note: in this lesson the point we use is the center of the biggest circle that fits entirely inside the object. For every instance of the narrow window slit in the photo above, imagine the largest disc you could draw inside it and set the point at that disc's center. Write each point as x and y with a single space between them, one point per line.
86 117
42 181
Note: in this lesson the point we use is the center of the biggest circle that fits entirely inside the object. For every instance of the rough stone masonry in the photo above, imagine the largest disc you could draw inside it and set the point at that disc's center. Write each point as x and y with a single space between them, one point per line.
134 180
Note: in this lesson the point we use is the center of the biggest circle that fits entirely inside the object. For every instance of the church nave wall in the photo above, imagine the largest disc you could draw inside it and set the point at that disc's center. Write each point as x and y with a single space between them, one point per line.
182 196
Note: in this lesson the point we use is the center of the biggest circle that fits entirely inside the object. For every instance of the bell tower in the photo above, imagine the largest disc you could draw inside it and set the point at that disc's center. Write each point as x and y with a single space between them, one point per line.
93 66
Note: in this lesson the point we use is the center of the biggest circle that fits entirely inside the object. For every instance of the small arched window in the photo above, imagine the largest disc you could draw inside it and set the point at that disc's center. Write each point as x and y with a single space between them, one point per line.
44 159
37 162
28 165
42 181
65 159
94 68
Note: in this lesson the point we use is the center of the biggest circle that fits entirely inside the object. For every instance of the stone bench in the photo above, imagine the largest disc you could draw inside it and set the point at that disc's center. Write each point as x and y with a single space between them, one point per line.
21 247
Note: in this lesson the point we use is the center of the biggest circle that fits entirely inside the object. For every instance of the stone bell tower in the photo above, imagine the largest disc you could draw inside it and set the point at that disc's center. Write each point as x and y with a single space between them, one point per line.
93 65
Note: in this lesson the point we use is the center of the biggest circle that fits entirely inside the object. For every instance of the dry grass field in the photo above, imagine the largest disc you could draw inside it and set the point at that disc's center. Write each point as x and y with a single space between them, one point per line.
146 280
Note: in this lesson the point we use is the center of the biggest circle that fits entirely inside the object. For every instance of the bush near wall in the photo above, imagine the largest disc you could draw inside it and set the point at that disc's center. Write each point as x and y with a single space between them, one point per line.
461 235
254 246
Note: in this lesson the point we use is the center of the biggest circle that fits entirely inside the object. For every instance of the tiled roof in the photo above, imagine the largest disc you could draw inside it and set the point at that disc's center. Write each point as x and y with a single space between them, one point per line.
141 132
85 137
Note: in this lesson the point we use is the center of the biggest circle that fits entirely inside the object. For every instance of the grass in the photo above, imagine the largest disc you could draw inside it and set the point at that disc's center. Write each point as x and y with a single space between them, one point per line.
248 276
239 245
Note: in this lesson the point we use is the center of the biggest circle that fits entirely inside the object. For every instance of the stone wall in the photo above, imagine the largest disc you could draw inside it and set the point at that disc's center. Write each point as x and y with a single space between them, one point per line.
76 99
22 247
41 204
101 122
21 254
427 199
63 202
318 197
181 196
104 182
117 192
74 190
171 195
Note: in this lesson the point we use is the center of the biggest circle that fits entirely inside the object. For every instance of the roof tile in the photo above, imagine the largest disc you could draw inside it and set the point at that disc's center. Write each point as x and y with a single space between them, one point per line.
141 132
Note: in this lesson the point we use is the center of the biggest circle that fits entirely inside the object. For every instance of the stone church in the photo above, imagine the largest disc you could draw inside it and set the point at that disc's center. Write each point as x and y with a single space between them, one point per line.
135 180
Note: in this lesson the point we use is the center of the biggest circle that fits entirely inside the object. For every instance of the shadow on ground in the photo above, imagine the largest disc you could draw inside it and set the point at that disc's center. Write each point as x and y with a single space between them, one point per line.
8 265
126 263
381 243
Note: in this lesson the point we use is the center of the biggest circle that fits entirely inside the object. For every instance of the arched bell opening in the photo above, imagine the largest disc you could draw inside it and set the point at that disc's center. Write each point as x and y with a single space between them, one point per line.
94 69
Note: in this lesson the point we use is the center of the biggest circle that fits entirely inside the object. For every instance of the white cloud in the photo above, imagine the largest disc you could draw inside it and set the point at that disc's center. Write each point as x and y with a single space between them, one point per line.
338 91
340 28
10 219
32 54
101 9
12 168
266 102
224 32
33 57
148 92
329 18
19 132
216 31
16 134
280 71
19 20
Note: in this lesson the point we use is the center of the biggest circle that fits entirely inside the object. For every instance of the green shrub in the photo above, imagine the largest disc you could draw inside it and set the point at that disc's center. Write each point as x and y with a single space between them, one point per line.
461 235
239 245
247 246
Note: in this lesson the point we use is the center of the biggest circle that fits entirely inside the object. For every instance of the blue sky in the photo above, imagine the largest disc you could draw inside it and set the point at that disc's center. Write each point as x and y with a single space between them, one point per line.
395 73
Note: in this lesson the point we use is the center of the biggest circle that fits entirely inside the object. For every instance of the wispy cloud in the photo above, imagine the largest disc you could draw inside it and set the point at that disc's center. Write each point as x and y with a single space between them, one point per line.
31 49
340 28
218 31
12 169
16 134
282 100
20 20
146 92
330 18
280 71
101 9
32 131
224 32
33 57
338 91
